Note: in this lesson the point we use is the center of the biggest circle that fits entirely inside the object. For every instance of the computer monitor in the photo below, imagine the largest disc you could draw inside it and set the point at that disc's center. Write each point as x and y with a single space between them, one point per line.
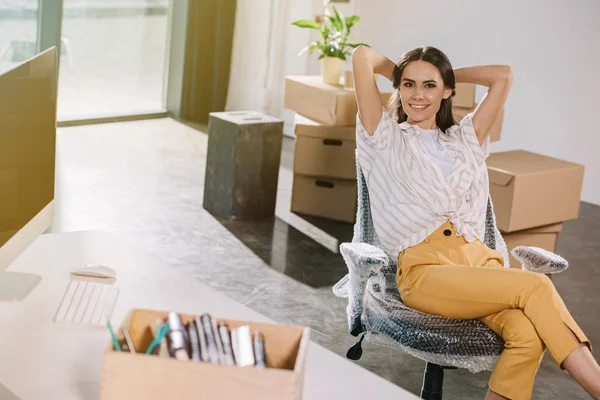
27 163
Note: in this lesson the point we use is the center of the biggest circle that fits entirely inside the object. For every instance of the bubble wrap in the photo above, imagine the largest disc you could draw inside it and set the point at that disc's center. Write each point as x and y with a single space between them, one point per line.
539 260
376 308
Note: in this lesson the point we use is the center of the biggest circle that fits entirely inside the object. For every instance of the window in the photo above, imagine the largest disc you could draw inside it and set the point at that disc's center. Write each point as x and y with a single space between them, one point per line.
113 56
18 32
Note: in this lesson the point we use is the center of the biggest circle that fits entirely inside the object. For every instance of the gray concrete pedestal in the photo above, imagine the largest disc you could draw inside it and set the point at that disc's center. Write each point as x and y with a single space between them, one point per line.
242 164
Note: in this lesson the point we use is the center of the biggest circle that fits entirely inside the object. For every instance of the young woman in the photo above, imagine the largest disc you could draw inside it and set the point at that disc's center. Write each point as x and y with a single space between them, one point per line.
428 187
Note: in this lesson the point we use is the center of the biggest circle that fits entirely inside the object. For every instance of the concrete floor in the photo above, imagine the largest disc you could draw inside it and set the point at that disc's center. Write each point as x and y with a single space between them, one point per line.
143 182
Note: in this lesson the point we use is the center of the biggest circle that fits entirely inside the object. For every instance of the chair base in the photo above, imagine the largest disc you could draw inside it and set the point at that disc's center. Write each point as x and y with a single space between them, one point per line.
433 382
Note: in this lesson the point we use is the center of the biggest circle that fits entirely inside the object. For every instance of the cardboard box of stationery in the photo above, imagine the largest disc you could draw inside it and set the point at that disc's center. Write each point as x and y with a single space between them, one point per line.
140 376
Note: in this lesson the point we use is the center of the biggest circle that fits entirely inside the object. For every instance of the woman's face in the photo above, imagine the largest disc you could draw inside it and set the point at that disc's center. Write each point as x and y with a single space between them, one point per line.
421 92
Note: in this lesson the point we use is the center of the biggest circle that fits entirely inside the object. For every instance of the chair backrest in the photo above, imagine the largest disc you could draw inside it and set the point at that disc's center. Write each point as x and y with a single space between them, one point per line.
364 231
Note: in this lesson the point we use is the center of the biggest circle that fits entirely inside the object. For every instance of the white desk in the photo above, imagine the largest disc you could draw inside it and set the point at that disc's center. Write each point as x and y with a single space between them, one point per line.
41 360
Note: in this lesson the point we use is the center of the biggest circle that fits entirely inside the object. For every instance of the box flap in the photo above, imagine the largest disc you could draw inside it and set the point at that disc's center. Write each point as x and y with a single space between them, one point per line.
552 228
309 96
305 127
522 162
499 176
316 81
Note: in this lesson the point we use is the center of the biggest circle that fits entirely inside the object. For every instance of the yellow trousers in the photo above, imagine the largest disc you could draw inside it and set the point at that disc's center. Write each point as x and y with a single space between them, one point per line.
448 276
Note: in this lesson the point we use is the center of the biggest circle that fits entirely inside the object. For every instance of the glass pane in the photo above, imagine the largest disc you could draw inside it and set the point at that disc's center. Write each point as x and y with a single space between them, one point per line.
18 32
112 57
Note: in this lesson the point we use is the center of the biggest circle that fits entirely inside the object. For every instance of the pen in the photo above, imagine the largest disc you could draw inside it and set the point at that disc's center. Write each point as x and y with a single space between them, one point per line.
202 341
226 341
128 340
217 335
242 346
116 343
211 343
177 339
194 342
161 333
259 351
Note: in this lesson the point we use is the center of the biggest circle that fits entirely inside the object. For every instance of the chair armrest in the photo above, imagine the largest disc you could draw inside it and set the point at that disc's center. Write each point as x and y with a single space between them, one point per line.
539 260
361 259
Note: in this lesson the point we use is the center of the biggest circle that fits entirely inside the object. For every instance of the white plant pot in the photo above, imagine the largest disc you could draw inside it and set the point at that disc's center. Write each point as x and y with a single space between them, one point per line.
331 70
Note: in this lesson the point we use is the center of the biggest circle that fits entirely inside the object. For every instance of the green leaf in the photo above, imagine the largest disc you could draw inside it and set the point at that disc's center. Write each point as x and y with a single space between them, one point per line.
324 31
351 21
355 45
335 23
307 23
339 21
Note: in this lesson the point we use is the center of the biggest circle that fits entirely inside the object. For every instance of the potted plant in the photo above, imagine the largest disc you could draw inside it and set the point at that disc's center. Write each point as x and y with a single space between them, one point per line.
334 42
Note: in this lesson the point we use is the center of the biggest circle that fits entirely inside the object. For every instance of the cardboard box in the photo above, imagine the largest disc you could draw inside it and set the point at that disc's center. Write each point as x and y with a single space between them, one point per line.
465 95
327 104
544 237
324 197
140 376
459 113
323 150
531 190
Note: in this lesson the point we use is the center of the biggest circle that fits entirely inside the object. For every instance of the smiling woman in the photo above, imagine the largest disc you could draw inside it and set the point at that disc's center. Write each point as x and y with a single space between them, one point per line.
428 190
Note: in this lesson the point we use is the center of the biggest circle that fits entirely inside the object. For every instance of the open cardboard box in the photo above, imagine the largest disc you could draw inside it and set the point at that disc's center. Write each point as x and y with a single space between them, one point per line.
324 150
140 376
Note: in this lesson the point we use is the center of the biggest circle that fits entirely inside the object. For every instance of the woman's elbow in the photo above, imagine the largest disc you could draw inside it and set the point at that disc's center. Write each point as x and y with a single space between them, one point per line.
360 52
503 77
508 73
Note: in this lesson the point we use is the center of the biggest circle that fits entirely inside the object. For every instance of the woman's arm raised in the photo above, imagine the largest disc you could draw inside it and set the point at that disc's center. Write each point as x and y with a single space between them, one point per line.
366 62
498 78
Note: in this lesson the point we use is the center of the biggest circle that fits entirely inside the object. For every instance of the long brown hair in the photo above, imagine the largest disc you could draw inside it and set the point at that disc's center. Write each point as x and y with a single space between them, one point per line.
443 118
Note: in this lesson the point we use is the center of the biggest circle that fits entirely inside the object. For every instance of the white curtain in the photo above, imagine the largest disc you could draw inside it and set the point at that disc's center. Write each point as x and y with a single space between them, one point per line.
248 61
275 72
265 50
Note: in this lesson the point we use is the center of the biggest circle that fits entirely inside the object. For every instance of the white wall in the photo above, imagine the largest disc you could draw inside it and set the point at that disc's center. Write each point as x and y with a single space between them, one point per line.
552 46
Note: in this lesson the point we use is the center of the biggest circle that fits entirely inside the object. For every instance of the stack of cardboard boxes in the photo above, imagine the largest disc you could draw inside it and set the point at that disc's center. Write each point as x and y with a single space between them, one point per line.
324 161
533 195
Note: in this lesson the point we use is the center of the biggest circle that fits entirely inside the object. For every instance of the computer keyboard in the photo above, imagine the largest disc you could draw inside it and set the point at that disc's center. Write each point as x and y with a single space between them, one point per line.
87 303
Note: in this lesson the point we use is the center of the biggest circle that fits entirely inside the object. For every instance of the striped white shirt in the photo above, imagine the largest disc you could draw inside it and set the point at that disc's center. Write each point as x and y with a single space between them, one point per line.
410 195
